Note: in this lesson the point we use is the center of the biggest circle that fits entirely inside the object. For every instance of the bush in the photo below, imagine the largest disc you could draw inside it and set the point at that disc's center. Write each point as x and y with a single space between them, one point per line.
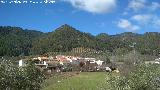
143 77
20 78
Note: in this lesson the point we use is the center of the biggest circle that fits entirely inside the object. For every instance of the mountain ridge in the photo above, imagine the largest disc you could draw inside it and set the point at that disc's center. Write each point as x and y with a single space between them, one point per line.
16 41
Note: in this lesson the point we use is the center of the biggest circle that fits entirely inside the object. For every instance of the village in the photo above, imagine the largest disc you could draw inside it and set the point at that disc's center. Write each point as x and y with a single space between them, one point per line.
62 63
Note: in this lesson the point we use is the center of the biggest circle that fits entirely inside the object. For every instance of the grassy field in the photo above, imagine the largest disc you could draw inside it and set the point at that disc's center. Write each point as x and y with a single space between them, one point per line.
73 81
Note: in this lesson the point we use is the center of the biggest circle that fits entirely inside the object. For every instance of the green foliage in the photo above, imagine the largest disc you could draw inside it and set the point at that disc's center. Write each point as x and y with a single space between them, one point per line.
143 77
103 37
149 43
20 78
63 39
103 56
15 41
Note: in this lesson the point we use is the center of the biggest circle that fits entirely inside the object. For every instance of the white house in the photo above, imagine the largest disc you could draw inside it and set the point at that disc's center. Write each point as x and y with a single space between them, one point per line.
99 62
41 62
157 61
22 63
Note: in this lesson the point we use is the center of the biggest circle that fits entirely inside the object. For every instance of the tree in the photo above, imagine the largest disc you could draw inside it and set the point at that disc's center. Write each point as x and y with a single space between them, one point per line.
20 78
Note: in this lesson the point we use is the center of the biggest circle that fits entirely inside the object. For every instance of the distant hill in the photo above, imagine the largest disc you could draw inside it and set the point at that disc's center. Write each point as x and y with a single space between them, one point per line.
15 41
63 39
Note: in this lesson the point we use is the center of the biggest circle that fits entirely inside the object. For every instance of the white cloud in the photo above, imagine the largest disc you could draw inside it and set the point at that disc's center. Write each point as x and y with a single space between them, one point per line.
146 15
147 19
137 4
94 6
127 25
142 18
155 6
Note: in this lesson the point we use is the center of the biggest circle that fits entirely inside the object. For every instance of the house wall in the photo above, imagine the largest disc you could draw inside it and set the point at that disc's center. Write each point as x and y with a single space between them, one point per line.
21 63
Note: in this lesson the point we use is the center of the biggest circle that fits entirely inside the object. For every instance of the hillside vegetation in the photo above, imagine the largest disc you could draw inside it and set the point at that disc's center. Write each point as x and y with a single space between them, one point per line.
15 41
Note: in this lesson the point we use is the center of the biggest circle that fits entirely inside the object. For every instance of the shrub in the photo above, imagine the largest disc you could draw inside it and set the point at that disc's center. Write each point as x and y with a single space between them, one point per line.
20 78
143 77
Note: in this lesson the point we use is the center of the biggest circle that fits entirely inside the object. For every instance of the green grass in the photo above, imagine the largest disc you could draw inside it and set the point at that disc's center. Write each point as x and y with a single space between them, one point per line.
82 81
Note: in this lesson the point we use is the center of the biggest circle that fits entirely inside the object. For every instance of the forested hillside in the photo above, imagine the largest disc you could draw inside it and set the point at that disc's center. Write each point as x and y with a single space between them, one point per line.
15 41
63 39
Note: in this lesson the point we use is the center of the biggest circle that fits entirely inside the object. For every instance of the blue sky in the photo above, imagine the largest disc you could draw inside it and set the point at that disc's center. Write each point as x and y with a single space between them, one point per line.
93 16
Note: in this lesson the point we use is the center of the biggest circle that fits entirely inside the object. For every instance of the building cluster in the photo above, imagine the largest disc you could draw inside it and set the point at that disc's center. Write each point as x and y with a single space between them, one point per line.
57 62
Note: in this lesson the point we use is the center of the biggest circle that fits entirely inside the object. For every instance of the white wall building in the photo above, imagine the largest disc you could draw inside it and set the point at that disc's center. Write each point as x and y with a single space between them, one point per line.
99 62
22 63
